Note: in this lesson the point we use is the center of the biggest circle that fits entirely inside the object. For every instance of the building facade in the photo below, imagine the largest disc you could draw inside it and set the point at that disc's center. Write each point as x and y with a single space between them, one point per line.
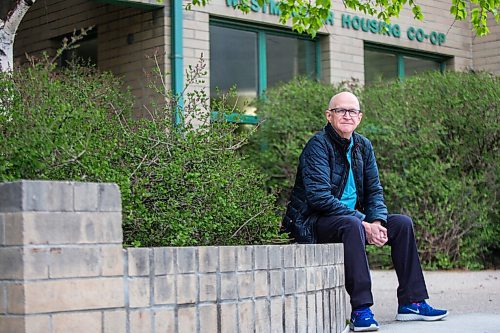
253 51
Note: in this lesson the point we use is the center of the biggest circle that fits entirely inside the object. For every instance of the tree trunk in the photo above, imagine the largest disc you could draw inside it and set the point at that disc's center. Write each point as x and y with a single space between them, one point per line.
8 28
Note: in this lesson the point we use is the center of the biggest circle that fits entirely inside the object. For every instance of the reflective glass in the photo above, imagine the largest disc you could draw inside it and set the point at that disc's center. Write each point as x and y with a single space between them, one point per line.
233 60
380 66
418 65
288 57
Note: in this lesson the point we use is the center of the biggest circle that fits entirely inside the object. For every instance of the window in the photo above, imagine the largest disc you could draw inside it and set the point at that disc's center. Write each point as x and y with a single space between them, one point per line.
380 66
254 58
288 57
415 65
384 63
85 53
233 60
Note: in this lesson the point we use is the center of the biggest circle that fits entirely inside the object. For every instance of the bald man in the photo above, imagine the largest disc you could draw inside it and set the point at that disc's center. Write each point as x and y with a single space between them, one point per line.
337 197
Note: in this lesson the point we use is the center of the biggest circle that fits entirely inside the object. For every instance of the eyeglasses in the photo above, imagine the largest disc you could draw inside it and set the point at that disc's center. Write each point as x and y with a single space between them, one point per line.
342 112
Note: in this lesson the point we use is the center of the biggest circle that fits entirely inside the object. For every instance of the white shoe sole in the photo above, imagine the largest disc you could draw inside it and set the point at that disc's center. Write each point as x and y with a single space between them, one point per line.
414 316
372 328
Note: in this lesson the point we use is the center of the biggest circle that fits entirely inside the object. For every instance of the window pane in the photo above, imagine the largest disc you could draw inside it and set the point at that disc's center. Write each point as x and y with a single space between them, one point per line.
233 60
380 66
288 57
417 65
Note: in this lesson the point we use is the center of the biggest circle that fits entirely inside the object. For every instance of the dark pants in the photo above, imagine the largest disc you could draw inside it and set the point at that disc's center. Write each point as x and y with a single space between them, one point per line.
350 231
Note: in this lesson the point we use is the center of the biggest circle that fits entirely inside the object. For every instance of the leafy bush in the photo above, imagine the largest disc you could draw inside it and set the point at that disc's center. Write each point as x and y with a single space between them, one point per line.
193 186
60 125
180 186
436 140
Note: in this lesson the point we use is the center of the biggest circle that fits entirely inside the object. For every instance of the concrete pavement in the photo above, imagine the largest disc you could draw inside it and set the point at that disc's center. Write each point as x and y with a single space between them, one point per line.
472 299
454 323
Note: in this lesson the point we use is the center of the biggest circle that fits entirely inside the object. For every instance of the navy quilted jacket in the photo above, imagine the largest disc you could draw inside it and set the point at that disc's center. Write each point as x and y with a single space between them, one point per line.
320 181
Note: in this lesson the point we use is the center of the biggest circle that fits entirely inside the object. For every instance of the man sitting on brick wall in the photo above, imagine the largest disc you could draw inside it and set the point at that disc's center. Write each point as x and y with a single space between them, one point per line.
337 197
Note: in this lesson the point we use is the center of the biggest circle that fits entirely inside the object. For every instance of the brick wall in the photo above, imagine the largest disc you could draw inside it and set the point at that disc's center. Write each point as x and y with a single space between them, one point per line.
63 269
127 38
61 261
196 46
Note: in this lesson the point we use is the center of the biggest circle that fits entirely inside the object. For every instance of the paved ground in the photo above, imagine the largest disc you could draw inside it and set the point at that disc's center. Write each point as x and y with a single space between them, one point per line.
457 323
472 298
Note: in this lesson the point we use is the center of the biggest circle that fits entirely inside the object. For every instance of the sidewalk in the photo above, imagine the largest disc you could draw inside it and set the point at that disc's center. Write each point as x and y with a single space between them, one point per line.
473 323
472 299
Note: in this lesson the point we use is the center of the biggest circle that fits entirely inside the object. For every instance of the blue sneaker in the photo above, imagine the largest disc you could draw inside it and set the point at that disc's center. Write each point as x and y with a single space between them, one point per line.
419 311
362 321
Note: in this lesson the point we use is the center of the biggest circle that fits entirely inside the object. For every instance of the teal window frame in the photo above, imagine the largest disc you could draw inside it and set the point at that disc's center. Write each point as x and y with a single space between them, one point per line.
400 53
262 32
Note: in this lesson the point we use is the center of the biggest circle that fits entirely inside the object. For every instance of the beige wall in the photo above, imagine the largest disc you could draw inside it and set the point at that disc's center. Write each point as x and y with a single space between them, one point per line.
196 46
45 24
486 49
63 269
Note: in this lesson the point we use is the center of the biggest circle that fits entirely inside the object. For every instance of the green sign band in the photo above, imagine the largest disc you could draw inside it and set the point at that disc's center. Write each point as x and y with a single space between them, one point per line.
271 7
393 30
419 34
358 23
374 26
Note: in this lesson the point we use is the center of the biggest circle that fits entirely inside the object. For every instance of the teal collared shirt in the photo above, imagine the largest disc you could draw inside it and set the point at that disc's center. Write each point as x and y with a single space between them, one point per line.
349 196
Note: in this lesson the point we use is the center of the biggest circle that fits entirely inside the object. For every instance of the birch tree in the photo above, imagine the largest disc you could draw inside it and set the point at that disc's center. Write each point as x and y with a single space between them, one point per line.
8 28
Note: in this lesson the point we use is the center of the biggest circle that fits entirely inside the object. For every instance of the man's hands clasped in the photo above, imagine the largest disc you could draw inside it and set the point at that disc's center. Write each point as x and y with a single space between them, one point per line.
376 234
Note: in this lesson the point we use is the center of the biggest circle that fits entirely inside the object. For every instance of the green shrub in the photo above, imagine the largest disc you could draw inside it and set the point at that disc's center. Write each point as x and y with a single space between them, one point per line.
179 186
60 125
193 186
436 141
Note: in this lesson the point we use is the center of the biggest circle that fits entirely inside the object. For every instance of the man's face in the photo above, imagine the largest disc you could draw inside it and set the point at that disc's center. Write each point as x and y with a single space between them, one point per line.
344 122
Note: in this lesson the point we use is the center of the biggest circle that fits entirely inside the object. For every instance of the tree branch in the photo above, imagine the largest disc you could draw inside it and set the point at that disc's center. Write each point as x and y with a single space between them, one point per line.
15 16
247 221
